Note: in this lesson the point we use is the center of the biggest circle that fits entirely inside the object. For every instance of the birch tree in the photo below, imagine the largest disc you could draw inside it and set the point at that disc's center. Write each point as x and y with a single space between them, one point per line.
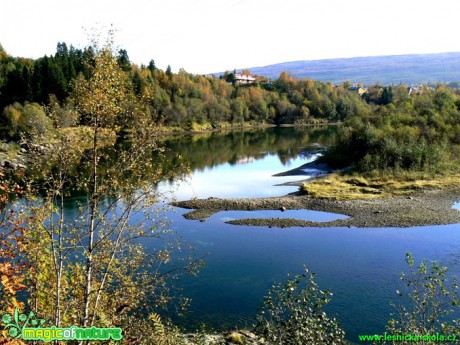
118 176
88 267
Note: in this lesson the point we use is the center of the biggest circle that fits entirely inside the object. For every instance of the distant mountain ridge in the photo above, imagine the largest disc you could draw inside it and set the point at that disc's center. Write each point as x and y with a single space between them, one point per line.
395 69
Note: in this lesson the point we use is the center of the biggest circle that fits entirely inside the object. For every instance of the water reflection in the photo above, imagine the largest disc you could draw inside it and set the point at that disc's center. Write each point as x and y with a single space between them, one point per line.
309 215
242 163
209 150
247 180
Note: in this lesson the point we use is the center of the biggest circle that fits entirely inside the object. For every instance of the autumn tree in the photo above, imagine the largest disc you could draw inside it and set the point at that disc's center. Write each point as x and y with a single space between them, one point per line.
28 121
101 101
11 267
433 302
89 267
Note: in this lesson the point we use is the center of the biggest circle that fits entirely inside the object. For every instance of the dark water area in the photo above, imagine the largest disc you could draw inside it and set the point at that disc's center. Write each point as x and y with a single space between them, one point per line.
361 267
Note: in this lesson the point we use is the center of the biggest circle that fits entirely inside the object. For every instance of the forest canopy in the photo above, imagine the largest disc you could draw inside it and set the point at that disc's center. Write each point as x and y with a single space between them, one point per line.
385 126
177 99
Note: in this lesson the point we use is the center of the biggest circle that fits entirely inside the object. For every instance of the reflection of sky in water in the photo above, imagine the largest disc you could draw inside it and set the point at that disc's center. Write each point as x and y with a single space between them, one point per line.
314 216
252 179
456 205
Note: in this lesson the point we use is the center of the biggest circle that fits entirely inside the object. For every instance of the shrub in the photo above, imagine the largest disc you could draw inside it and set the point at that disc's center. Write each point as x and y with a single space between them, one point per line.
432 297
293 314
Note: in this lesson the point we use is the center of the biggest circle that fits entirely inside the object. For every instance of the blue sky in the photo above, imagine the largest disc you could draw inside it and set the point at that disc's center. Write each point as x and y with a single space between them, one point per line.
204 36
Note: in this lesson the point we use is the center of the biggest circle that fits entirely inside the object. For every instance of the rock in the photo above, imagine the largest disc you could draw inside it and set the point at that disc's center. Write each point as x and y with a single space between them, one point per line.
249 334
282 208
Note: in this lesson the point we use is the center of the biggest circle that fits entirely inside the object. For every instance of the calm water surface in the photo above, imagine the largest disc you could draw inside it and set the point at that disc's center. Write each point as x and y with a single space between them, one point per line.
242 164
360 266
310 215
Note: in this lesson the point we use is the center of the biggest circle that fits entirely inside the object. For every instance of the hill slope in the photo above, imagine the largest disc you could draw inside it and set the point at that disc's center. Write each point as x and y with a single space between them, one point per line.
396 69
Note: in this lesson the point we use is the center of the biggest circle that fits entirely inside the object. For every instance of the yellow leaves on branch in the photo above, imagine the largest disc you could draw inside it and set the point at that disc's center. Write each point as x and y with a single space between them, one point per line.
101 97
12 282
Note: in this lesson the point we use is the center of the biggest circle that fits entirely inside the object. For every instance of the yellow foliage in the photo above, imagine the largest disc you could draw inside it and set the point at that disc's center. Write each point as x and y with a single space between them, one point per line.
236 338
345 187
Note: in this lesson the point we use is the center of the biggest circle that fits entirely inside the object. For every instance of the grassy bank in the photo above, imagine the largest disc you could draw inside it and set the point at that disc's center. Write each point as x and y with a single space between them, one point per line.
342 186
207 127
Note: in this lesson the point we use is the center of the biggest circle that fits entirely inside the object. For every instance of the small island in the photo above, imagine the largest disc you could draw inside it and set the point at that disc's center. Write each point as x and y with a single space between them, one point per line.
425 207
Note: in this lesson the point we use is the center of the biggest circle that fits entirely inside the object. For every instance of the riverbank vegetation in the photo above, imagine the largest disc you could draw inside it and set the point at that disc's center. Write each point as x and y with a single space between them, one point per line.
413 132
352 186
409 141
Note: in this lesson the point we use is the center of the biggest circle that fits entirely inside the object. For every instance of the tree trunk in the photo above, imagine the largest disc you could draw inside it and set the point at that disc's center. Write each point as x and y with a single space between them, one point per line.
93 212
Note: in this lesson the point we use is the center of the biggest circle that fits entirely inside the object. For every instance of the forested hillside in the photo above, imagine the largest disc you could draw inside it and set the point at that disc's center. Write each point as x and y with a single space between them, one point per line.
36 93
385 126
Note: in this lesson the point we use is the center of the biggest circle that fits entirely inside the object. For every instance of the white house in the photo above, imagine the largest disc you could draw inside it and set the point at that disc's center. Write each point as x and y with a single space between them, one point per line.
244 79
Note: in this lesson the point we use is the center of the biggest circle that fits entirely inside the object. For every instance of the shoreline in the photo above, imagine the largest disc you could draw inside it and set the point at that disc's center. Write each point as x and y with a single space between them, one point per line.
180 131
422 208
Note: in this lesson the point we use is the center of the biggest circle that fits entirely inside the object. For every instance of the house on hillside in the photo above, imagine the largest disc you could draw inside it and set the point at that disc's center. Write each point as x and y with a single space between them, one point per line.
209 76
244 79
360 90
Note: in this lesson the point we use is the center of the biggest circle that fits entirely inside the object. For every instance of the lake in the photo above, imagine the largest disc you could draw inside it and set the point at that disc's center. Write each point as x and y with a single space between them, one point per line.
360 266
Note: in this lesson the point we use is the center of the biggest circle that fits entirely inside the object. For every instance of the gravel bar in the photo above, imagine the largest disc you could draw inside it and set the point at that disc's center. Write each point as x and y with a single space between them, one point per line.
429 207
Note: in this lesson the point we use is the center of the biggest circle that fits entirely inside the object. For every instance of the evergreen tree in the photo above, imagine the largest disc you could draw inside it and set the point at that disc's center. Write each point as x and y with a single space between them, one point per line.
18 83
48 79
151 66
138 83
123 60
169 71
387 95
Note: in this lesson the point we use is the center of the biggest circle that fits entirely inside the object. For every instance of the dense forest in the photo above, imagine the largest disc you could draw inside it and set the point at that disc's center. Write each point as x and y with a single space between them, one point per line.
392 126
173 99
417 131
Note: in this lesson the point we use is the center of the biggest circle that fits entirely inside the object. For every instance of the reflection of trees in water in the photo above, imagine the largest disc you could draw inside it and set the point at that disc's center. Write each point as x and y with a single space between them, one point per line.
235 147
201 151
